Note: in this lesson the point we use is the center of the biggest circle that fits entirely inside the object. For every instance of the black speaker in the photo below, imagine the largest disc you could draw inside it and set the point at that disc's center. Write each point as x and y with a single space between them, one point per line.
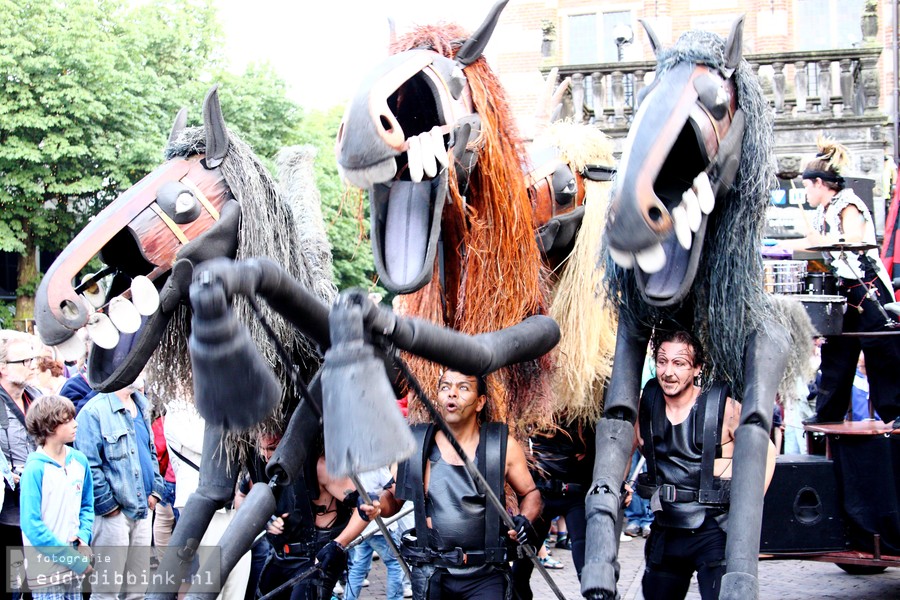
802 511
864 188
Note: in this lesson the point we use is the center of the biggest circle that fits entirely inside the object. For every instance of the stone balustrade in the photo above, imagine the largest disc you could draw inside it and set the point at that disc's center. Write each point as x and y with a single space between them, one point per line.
822 84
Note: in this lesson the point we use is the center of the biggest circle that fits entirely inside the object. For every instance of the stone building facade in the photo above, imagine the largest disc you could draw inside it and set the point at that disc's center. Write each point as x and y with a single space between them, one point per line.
826 65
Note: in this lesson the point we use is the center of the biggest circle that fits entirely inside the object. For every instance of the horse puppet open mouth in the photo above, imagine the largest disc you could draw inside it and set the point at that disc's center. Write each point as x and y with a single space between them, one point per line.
149 240
396 139
681 157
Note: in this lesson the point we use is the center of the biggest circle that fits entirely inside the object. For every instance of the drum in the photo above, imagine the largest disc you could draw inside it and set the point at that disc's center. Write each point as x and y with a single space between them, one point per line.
826 312
784 276
821 284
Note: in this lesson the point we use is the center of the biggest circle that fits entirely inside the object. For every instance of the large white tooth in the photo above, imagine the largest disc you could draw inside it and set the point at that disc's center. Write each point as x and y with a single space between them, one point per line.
144 295
414 159
429 165
94 294
72 349
682 229
102 331
437 145
692 207
704 193
124 315
623 259
651 259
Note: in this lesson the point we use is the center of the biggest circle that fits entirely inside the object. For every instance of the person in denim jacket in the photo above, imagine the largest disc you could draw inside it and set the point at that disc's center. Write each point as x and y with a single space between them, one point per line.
115 435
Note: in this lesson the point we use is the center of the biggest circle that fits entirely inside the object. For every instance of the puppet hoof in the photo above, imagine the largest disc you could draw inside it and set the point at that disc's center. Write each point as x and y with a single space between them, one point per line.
739 586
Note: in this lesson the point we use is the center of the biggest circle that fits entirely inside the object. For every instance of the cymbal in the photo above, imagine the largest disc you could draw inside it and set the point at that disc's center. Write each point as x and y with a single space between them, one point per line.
844 247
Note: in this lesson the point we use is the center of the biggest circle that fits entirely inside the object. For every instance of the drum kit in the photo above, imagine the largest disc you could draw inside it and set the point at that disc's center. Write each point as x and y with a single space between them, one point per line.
816 286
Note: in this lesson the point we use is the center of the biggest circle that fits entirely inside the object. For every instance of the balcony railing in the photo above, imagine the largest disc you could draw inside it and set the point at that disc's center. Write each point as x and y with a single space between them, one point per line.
812 84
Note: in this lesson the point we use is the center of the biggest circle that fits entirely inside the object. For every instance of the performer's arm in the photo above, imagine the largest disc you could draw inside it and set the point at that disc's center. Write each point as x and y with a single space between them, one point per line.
387 505
520 480
732 419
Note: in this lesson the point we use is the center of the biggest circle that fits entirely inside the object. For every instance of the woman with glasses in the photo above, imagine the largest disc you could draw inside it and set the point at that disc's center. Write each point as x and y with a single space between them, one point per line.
18 362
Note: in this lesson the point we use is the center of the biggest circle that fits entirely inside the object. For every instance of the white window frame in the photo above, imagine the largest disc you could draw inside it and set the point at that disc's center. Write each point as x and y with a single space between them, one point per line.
630 52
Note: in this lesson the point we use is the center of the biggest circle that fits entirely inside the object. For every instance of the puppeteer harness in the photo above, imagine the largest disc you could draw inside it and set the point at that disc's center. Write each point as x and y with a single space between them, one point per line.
670 481
490 458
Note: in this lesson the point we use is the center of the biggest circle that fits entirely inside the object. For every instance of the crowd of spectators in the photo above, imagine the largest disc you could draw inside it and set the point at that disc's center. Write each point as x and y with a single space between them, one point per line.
145 463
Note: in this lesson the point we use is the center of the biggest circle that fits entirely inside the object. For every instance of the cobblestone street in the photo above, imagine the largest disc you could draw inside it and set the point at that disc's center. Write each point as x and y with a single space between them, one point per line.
779 579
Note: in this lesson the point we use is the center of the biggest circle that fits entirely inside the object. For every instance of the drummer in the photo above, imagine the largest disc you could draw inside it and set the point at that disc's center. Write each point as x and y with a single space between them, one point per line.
842 219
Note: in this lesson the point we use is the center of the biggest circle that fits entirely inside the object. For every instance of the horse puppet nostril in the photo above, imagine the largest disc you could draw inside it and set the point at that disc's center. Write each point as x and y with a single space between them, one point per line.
69 309
386 124
655 214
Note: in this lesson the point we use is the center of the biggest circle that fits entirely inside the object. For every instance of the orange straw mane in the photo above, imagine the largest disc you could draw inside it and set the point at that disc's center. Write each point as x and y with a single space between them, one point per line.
501 281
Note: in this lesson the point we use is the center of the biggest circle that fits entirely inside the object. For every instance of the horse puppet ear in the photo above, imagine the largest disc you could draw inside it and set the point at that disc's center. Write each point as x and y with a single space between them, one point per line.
651 35
179 125
734 46
216 133
475 45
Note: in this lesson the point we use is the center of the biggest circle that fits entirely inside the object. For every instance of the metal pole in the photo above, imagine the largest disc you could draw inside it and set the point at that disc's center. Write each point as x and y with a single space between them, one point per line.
384 530
389 521
476 475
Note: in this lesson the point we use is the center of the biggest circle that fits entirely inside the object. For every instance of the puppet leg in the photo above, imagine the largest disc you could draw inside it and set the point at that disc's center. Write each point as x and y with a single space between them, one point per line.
284 468
765 359
615 440
217 482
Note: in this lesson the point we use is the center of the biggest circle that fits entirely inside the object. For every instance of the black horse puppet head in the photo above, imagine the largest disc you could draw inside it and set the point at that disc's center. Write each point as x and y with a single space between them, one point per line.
679 162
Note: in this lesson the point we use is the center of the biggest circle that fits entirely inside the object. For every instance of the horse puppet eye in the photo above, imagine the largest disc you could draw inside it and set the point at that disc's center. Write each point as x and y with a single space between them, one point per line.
178 201
712 94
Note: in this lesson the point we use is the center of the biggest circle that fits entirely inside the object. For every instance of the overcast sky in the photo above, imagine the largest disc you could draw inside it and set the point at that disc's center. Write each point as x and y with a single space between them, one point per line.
322 48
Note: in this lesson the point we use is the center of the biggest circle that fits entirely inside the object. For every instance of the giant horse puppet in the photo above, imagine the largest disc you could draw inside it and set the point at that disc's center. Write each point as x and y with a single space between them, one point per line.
211 198
570 182
430 135
685 227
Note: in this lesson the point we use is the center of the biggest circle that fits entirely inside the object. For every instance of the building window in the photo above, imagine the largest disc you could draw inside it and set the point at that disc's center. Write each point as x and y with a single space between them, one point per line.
590 37
608 48
582 39
828 24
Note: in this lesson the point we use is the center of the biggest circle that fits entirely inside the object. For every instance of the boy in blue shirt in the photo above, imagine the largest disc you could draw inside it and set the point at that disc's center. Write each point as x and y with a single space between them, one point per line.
57 502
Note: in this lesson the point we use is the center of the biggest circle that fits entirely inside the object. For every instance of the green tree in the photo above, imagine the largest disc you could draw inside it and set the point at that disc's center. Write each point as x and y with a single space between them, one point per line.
346 213
256 106
83 108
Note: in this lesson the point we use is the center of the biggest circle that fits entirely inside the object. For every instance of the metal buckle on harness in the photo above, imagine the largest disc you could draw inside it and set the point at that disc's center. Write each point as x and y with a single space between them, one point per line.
667 492
455 556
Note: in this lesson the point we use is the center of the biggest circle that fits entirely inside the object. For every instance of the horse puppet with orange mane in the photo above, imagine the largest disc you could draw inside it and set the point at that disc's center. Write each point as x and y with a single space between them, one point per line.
431 137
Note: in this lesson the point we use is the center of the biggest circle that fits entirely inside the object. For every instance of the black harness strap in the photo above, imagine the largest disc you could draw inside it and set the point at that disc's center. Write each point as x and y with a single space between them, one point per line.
713 418
650 421
491 457
413 480
184 459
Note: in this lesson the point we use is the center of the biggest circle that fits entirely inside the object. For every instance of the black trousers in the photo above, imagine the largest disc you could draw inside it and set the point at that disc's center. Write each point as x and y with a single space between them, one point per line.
488 583
279 569
840 355
570 506
673 555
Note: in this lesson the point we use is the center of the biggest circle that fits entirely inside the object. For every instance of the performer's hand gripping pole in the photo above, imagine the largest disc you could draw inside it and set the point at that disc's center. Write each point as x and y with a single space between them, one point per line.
384 530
